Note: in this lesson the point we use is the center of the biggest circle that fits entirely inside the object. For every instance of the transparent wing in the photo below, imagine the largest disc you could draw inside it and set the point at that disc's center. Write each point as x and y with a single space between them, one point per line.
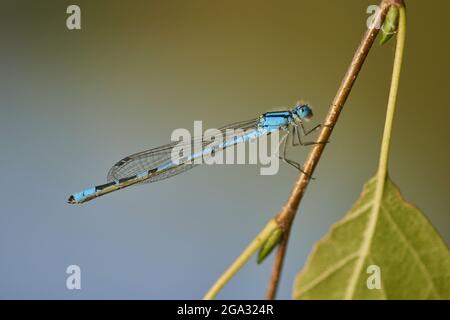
156 157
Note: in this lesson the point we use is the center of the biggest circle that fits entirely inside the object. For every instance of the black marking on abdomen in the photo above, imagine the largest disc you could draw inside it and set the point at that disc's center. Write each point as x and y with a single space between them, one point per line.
104 186
126 179
152 170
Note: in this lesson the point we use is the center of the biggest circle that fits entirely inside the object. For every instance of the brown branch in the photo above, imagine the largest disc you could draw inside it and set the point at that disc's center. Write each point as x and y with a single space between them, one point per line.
287 214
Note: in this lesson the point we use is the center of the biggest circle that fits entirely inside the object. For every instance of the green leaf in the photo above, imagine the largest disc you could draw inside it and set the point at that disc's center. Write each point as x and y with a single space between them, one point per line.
269 244
390 25
413 260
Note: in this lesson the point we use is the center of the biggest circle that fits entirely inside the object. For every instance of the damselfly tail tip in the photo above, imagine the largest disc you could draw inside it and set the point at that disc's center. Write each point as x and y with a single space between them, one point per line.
72 200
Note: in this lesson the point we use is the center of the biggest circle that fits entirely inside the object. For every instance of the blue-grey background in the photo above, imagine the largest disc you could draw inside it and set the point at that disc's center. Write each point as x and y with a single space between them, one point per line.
75 102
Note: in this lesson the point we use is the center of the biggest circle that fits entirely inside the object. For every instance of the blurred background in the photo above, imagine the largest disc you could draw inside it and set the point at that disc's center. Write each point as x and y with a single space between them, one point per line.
75 102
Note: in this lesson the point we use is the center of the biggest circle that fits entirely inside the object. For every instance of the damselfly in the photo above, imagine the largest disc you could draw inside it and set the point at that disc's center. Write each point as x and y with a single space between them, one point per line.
159 163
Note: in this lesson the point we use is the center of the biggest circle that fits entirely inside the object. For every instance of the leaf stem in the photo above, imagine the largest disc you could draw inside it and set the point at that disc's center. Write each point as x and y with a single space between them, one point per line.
257 242
400 45
384 154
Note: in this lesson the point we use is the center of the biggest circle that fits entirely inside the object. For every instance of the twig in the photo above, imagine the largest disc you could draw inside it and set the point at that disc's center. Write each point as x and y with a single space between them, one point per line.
287 215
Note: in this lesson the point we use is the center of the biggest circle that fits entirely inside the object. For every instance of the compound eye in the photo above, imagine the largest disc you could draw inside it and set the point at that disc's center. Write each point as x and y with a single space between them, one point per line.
304 110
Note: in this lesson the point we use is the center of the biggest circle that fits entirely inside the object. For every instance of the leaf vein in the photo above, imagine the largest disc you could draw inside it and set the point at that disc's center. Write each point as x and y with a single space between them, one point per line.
328 272
416 257
356 213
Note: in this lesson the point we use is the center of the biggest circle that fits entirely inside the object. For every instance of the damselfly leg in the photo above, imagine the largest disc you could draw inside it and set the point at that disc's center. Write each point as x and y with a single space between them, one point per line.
292 134
296 133
283 146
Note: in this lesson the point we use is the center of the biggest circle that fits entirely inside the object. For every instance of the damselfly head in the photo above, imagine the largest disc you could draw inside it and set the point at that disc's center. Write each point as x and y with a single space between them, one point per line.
303 111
